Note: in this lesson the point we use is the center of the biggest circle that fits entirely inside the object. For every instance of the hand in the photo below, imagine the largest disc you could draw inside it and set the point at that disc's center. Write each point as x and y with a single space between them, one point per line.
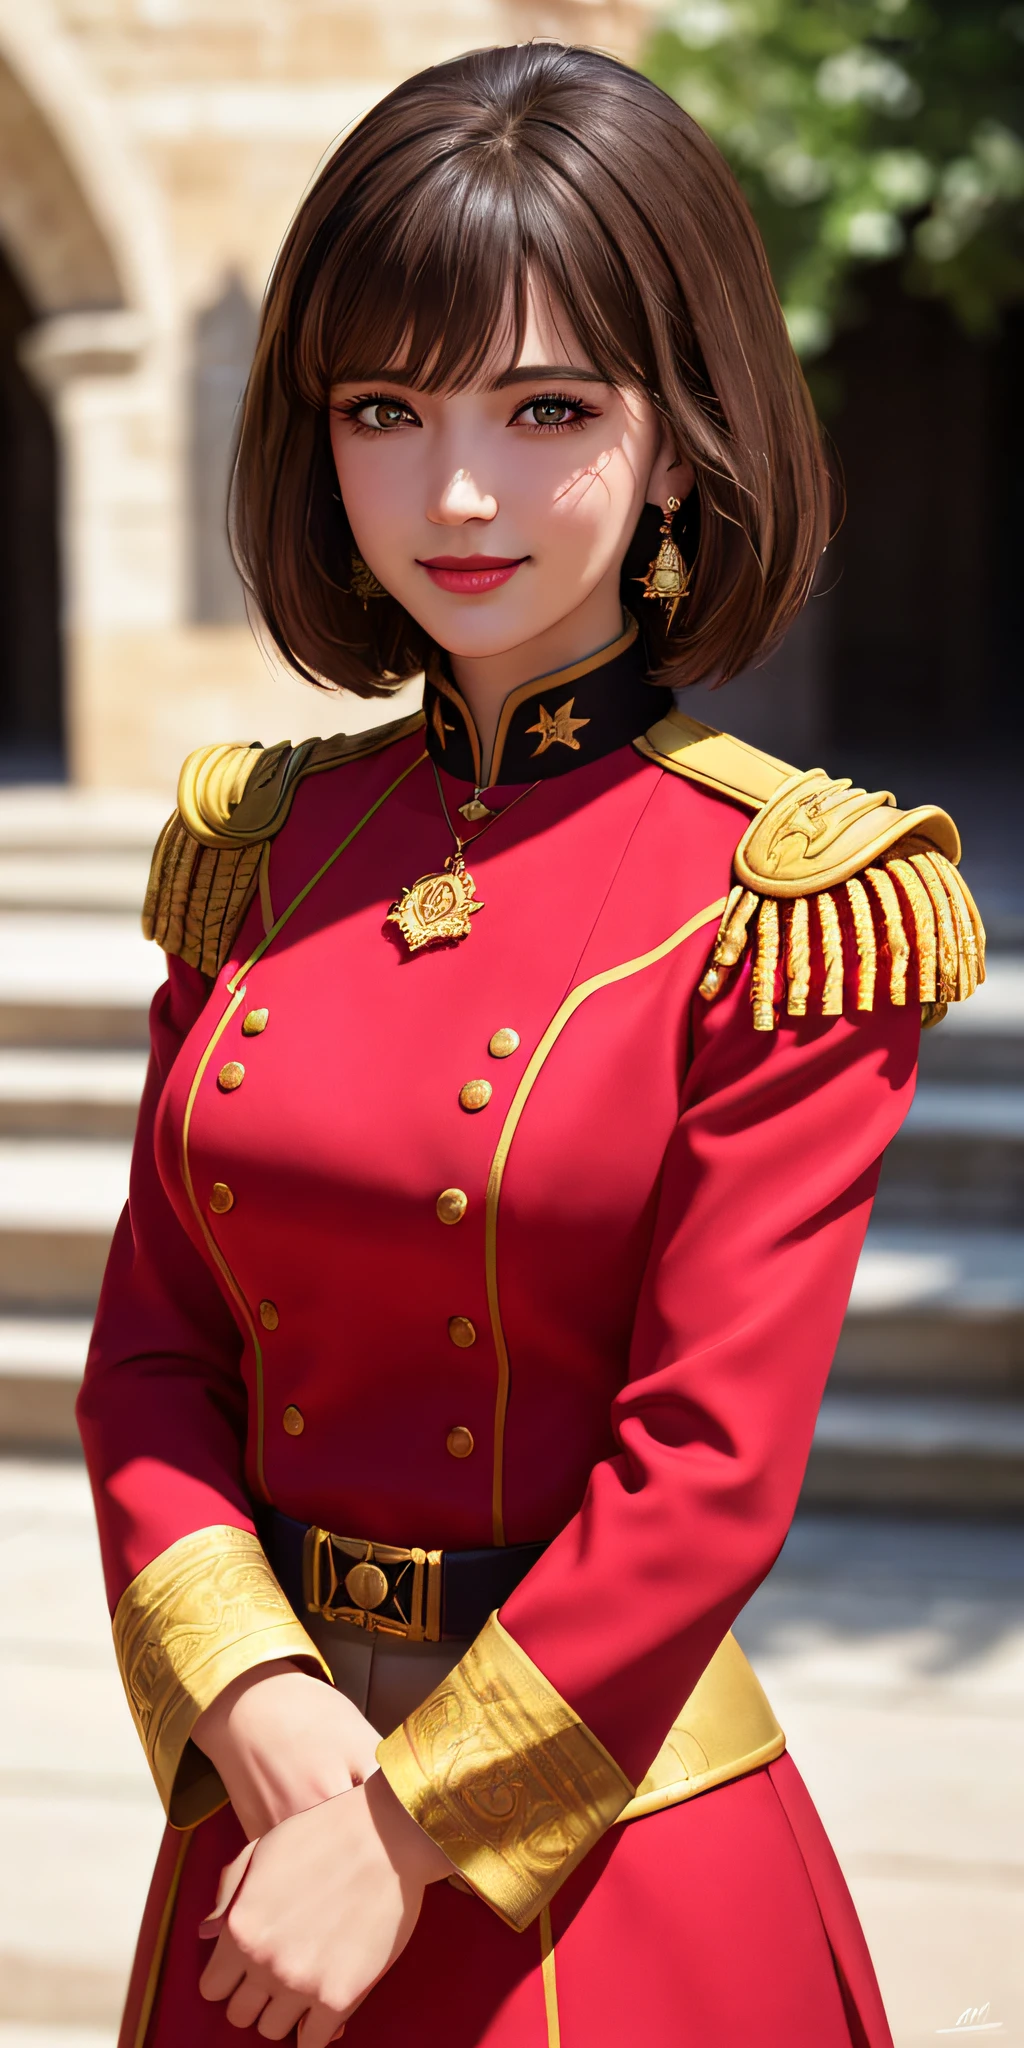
283 1741
308 1919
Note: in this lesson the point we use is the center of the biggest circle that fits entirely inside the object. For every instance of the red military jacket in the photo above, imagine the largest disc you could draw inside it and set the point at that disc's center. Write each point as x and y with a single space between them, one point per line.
542 1233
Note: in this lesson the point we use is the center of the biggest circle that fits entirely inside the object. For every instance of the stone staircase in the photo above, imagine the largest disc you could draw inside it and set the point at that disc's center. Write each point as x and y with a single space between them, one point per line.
925 1407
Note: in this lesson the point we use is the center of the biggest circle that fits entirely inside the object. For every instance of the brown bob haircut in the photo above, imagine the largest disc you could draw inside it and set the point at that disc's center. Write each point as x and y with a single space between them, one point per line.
412 250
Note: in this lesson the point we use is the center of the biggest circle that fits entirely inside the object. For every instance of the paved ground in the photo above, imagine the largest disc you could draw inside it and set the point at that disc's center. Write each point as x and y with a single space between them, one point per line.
893 1653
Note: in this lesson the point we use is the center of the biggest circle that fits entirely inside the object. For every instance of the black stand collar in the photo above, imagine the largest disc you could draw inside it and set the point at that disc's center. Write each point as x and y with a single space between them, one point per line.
552 724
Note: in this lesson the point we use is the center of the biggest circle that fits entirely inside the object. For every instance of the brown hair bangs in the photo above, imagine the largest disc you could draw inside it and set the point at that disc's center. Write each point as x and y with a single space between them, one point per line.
413 249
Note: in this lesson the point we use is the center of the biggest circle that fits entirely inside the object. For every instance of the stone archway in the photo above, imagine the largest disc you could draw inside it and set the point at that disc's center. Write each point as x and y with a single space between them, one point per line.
85 337
52 238
31 693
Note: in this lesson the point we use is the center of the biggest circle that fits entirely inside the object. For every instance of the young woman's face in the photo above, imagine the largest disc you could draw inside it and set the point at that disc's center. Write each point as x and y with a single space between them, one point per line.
496 512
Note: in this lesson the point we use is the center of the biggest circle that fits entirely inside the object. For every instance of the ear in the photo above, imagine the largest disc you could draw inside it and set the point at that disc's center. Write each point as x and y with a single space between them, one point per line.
671 476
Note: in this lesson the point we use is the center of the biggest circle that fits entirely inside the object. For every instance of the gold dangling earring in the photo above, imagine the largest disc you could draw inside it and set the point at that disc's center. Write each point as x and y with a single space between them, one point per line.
668 576
364 582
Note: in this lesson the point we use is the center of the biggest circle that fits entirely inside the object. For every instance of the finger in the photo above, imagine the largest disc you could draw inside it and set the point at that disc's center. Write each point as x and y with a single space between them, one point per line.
246 2004
282 2014
225 1969
230 1878
319 2027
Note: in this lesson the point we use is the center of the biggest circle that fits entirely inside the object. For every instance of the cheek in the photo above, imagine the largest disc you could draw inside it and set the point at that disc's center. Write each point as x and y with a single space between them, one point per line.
598 498
372 484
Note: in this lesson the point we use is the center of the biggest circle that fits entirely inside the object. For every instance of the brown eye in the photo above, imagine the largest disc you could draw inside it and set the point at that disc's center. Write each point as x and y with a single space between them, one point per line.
382 414
549 412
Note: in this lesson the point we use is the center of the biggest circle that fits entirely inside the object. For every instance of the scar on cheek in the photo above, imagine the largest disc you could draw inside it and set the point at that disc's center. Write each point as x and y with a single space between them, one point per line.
578 487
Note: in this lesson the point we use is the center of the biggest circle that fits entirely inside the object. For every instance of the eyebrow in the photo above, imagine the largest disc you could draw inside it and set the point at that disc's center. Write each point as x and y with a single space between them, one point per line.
529 373
525 373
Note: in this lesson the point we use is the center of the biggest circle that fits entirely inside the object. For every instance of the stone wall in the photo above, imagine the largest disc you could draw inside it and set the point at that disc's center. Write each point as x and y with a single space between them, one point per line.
151 154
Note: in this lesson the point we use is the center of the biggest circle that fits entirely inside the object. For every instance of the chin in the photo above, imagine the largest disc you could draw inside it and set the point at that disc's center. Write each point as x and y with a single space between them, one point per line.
484 635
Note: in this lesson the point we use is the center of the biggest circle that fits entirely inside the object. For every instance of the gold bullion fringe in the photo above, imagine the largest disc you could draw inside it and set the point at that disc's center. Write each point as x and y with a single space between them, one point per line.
929 919
197 896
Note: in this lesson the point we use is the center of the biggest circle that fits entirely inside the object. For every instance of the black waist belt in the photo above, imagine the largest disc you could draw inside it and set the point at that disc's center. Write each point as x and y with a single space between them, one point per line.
427 1596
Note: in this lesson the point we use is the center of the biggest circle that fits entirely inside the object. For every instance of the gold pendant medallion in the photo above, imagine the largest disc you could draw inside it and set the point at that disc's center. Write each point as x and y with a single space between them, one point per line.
437 908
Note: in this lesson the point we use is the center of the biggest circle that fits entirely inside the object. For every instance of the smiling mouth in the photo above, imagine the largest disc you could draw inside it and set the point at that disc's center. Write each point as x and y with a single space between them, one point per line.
468 574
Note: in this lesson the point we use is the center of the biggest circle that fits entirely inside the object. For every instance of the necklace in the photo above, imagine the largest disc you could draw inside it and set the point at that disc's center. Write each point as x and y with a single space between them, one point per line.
439 906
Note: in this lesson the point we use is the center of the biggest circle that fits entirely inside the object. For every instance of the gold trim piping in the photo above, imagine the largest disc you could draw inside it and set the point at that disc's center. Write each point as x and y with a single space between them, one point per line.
270 936
556 678
572 1002
266 900
549 1978
163 1932
447 689
236 989
208 1236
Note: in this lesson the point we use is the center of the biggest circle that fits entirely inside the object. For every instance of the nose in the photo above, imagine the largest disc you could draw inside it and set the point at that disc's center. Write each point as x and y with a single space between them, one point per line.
460 500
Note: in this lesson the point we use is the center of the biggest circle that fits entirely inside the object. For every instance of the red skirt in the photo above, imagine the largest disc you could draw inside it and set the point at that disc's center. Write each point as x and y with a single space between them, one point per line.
724 1922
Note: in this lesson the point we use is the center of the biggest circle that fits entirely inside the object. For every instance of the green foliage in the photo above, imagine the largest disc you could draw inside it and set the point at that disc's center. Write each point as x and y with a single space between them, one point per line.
863 131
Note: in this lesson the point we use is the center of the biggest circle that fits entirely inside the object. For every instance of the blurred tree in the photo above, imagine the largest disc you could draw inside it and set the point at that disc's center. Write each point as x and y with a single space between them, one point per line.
864 131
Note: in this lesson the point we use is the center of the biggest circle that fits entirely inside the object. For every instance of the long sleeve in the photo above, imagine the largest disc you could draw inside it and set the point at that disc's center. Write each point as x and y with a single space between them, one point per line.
162 1415
764 1199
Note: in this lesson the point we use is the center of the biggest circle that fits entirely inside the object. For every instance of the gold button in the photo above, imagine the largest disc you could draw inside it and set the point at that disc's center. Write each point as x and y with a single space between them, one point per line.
293 1420
231 1076
459 1442
452 1205
461 1332
254 1022
221 1198
504 1041
475 1094
366 1586
268 1315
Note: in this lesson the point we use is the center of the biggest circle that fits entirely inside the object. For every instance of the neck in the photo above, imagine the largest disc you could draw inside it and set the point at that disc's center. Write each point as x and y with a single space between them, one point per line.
486 679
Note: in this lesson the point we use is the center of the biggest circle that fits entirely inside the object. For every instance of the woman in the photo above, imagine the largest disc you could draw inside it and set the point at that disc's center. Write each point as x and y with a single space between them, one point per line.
495 1207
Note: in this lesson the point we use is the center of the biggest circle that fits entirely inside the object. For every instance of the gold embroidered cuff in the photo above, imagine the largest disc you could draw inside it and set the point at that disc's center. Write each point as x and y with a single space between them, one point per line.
504 1777
205 1610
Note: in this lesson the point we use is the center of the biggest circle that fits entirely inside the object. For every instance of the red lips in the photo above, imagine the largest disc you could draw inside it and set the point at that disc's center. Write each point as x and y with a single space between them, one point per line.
468 574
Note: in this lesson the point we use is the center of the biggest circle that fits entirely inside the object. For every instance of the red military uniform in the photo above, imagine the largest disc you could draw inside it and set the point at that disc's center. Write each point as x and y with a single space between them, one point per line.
592 1300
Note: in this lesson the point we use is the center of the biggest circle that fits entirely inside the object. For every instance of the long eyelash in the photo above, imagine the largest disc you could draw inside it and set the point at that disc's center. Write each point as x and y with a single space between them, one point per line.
582 412
353 406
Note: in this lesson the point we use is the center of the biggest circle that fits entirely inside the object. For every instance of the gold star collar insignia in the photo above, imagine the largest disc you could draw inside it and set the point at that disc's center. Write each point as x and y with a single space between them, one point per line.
561 727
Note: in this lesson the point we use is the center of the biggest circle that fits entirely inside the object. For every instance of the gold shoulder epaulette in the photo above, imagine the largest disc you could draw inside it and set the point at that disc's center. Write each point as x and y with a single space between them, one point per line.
232 800
844 892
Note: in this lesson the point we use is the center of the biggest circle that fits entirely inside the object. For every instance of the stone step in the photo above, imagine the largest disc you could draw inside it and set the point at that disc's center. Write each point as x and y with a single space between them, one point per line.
75 978
932 1313
91 880
60 1092
931 1453
959 1156
935 1308
57 820
59 1201
41 1363
983 1039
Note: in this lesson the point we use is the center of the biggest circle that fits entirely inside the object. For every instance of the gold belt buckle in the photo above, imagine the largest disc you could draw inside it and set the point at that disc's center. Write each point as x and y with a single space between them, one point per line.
386 1590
